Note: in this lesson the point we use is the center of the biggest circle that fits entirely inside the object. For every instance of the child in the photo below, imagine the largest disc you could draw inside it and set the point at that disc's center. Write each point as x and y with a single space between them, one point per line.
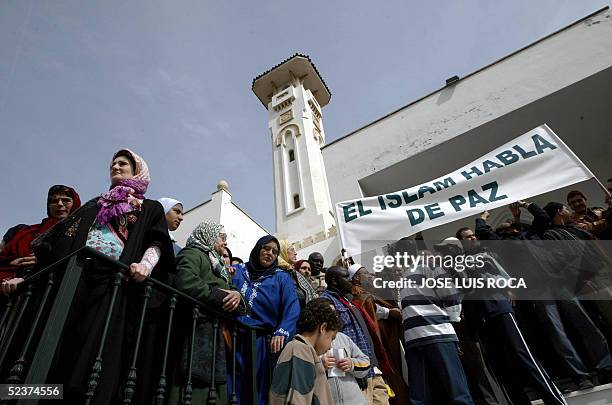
355 364
299 377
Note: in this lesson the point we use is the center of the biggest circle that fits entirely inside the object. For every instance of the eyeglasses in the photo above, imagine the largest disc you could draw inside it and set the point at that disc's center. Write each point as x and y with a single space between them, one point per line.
223 236
63 200
270 249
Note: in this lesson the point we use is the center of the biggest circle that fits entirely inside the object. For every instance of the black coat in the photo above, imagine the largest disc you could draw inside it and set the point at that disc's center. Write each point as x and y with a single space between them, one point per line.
81 339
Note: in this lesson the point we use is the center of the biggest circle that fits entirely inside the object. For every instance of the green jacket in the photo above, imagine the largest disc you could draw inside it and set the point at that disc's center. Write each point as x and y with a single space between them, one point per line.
195 277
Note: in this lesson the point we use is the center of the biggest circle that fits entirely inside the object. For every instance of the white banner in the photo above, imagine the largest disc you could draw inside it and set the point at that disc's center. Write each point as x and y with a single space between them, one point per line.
534 163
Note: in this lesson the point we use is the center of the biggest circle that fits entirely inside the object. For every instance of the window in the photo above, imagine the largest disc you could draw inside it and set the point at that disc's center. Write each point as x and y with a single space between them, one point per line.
296 201
291 155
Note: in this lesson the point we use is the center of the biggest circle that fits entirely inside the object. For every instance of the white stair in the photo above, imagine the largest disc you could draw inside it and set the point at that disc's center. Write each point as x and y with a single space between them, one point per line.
600 395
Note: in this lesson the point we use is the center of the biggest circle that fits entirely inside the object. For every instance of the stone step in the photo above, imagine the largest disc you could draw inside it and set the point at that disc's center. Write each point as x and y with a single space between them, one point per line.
600 395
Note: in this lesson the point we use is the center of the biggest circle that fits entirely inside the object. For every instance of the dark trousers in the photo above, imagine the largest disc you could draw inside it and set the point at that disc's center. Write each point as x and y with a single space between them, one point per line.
502 337
596 354
485 388
435 375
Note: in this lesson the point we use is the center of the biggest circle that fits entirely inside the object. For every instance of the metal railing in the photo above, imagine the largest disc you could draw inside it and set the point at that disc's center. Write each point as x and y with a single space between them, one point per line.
34 319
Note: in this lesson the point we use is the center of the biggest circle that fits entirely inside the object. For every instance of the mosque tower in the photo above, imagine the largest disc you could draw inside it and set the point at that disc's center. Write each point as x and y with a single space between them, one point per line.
294 92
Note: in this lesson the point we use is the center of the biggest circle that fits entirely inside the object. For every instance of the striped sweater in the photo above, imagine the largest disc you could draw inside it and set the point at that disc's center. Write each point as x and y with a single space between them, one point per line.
427 313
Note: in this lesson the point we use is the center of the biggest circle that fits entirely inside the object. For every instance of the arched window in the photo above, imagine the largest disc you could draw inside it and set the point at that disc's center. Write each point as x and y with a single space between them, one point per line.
291 180
296 201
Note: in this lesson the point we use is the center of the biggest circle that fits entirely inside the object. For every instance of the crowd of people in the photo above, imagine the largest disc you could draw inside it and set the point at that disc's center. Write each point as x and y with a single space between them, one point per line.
330 337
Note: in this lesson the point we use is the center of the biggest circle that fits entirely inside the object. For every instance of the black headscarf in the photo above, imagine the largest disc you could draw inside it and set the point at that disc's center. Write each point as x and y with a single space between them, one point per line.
254 267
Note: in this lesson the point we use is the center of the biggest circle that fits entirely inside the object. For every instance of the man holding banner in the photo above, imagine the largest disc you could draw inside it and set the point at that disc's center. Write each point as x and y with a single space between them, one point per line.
502 336
536 160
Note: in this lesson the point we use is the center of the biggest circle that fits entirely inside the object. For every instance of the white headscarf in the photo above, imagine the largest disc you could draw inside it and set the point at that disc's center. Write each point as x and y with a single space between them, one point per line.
168 203
353 269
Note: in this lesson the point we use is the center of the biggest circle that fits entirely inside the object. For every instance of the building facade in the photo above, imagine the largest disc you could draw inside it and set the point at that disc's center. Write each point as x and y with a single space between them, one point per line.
563 80
242 230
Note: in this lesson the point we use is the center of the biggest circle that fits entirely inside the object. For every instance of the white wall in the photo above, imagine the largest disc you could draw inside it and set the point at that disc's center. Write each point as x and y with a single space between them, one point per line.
542 69
209 210
329 248
242 231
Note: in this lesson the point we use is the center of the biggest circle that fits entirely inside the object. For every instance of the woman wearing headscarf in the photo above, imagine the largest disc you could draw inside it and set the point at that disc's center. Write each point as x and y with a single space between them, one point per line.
303 267
174 216
123 225
202 274
303 287
287 254
271 303
16 257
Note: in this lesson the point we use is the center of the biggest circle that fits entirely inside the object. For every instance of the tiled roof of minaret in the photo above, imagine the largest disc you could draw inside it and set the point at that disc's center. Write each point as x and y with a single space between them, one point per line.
296 55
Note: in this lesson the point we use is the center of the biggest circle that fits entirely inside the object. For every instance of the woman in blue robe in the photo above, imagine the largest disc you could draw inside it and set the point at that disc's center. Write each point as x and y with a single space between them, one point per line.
272 303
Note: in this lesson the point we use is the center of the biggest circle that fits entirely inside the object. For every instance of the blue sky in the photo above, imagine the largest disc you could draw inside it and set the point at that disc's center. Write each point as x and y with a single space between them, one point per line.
172 81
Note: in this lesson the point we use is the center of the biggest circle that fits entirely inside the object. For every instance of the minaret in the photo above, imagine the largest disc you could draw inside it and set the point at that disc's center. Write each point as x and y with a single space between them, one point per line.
293 92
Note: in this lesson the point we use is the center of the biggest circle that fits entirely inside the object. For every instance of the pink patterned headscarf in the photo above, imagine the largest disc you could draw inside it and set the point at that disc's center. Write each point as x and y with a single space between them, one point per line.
126 195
